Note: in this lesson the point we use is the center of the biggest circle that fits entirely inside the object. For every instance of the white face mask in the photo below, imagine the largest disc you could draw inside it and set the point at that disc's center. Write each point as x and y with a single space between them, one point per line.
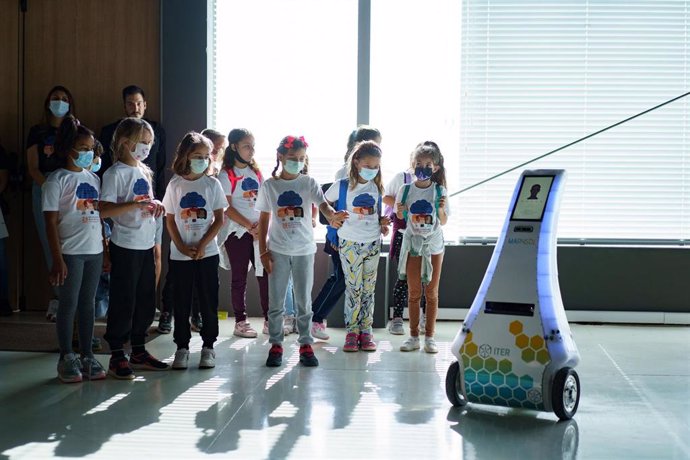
141 151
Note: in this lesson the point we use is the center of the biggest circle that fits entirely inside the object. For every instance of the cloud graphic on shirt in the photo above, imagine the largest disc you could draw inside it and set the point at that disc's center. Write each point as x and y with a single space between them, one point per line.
192 200
421 207
141 187
249 184
364 201
289 198
86 192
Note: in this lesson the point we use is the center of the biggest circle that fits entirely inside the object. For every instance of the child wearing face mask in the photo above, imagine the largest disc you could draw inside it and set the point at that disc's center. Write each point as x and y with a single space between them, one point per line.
127 198
194 202
287 248
359 243
422 204
74 229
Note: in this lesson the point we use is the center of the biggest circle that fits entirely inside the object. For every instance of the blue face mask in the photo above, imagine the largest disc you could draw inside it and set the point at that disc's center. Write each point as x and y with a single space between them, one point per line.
95 167
84 159
423 172
293 167
59 108
198 166
368 174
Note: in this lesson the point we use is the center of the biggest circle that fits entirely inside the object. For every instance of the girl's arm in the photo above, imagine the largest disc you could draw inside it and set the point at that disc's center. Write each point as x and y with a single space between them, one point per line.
189 251
389 200
58 271
442 215
314 215
265 254
235 215
334 218
211 233
32 165
108 209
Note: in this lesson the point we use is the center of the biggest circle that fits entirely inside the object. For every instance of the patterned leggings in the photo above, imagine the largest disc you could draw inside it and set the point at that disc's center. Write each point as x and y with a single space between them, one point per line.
360 264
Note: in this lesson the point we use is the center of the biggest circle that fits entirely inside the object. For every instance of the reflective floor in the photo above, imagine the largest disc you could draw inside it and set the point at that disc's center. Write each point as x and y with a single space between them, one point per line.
635 404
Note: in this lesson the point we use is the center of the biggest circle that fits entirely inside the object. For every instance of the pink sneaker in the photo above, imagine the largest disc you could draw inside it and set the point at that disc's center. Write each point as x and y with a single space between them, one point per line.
366 342
351 342
244 329
318 331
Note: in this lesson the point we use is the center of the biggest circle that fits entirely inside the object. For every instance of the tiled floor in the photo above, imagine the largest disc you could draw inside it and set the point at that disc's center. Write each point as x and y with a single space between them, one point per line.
635 404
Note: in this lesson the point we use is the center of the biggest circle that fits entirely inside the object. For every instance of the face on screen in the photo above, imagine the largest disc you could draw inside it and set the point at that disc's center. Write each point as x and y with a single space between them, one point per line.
532 198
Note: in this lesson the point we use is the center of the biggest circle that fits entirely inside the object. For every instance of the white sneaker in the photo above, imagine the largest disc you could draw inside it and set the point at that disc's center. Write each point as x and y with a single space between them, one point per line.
288 325
244 329
208 358
422 323
264 331
181 359
318 331
410 344
51 313
396 327
430 345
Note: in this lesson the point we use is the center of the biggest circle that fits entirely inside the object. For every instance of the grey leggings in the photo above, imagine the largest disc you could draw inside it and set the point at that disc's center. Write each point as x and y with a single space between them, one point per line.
77 299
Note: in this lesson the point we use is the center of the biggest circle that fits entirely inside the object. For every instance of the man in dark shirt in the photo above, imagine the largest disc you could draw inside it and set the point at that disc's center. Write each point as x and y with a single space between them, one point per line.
135 106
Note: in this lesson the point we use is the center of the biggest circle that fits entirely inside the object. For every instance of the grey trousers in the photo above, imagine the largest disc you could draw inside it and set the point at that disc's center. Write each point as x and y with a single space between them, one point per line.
302 270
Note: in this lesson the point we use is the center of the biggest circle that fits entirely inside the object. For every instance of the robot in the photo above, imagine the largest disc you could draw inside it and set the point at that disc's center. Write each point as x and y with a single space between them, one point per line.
515 347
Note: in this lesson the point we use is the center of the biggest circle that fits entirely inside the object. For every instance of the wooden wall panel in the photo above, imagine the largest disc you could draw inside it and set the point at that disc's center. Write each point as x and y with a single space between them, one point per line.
94 48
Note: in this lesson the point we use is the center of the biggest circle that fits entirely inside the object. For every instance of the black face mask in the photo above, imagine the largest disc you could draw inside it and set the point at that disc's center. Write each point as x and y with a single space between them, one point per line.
423 173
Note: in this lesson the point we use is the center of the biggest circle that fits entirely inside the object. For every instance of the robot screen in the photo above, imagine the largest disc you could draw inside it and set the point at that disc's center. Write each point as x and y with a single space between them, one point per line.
531 201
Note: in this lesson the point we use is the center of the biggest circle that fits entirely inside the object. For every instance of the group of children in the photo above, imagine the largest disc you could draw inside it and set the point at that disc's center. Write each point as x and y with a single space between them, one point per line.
214 205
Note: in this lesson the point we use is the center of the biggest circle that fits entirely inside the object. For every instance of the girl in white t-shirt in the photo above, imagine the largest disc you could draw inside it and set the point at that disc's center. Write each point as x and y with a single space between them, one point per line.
423 205
194 203
241 179
127 198
359 243
75 236
287 248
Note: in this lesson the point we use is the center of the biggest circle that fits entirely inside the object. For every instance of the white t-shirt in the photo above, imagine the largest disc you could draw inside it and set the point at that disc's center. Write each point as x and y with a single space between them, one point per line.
363 205
422 217
193 203
290 203
398 181
134 229
74 195
246 189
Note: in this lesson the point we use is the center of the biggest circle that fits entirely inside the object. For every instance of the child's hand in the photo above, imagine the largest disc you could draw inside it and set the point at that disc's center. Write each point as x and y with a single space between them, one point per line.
442 203
200 253
189 251
385 221
338 218
156 208
267 261
58 273
106 262
384 230
254 230
313 222
400 208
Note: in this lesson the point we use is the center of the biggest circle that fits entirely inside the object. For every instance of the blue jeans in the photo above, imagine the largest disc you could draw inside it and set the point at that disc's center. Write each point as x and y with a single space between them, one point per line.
330 294
77 299
37 205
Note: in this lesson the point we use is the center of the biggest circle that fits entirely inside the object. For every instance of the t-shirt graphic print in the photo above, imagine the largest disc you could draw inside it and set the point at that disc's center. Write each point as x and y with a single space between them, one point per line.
193 214
87 203
422 217
290 212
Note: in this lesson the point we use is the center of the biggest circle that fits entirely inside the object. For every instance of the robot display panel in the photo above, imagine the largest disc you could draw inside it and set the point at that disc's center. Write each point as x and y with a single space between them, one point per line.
531 201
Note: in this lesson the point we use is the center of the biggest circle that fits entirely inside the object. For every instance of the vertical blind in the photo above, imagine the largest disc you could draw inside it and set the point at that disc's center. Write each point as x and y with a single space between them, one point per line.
539 74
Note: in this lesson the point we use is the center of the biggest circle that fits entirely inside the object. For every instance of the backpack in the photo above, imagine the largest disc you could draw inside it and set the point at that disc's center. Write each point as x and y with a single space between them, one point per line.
234 178
340 205
406 192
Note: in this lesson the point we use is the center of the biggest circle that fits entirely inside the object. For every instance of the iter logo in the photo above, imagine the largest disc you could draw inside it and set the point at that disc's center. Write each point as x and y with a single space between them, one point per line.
523 241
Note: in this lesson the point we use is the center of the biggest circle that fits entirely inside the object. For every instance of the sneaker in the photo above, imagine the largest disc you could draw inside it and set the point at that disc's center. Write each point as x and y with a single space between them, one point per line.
69 369
351 342
244 329
288 325
96 345
91 368
51 313
306 356
366 342
410 344
430 345
275 356
146 361
120 369
264 331
208 358
164 324
396 327
181 359
422 323
318 331
196 323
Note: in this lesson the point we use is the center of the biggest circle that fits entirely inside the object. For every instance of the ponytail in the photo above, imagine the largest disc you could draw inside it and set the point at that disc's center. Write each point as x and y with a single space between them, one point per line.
235 136
67 134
